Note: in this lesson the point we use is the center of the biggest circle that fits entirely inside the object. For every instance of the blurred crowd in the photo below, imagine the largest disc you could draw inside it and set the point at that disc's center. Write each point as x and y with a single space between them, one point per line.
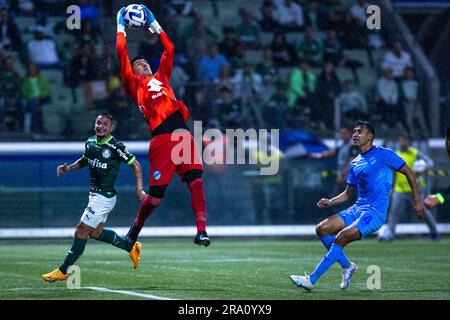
272 66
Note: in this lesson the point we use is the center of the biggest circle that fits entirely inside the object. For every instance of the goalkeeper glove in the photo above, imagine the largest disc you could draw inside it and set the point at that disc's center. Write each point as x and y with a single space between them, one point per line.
121 21
152 24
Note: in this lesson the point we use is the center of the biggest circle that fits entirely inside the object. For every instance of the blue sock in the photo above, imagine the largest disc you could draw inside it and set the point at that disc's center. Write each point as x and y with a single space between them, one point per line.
327 241
327 261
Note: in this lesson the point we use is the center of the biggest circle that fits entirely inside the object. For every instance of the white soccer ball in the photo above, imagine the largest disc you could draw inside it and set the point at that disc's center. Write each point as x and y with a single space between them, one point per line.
135 16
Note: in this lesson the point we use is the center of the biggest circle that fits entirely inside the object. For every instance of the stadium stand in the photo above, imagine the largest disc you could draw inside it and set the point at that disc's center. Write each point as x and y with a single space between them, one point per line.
72 101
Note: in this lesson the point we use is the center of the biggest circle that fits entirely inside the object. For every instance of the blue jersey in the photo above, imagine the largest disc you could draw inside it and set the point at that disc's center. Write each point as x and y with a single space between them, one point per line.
371 174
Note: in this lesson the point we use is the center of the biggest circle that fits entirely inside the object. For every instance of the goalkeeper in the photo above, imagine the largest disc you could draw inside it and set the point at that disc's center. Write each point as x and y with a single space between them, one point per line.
166 118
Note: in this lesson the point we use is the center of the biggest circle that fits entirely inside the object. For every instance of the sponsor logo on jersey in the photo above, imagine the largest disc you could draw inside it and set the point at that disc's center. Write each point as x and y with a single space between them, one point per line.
158 95
97 164
106 153
157 175
154 85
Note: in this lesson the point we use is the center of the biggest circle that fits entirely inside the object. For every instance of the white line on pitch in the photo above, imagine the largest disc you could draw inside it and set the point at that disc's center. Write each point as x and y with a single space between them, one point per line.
129 293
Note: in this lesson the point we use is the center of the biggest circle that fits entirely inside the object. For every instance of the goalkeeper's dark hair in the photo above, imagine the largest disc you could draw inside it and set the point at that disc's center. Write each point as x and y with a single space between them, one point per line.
137 58
108 115
367 125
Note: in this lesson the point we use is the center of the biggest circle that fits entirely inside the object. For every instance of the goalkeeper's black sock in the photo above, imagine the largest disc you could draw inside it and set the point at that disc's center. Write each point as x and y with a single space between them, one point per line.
74 253
109 236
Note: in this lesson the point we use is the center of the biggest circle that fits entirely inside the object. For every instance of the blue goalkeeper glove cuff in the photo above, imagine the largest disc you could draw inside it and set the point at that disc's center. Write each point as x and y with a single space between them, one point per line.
121 21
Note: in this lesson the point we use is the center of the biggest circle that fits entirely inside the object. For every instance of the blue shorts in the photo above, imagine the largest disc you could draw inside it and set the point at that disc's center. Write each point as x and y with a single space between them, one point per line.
365 218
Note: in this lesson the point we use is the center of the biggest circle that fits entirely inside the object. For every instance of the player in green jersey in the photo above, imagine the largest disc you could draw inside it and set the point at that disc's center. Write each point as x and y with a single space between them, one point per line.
103 154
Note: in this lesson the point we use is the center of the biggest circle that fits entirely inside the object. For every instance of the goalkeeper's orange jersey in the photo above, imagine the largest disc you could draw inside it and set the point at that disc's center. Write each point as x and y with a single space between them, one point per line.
153 95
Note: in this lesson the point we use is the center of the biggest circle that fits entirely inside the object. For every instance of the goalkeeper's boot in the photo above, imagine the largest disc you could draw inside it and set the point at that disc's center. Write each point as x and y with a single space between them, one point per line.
347 275
202 239
55 275
302 281
135 254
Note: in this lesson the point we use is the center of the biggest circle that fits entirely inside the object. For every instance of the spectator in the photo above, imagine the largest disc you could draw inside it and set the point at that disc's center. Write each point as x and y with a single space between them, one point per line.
358 12
248 88
10 93
229 43
210 65
226 109
345 152
283 52
387 97
267 67
333 52
316 16
247 83
248 30
268 19
42 51
35 93
23 6
87 33
178 80
109 65
225 79
9 32
310 49
397 60
198 40
352 104
329 87
237 63
411 104
181 7
290 15
83 70
120 108
277 108
82 66
302 87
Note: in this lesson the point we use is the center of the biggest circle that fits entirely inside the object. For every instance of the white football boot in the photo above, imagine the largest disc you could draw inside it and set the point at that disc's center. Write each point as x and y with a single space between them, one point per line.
302 281
347 275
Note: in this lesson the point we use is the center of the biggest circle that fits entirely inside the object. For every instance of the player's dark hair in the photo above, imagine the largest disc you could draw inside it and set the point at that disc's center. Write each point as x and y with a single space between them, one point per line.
447 133
137 58
366 125
404 135
107 115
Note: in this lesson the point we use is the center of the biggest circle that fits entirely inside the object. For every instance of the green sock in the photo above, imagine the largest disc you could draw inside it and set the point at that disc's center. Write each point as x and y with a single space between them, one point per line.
109 236
74 253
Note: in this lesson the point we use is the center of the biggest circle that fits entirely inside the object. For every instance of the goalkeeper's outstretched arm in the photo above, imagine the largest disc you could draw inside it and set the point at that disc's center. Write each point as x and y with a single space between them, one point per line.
166 63
126 70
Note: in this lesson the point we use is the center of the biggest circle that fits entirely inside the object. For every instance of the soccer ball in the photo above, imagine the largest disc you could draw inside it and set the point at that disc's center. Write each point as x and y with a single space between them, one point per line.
134 16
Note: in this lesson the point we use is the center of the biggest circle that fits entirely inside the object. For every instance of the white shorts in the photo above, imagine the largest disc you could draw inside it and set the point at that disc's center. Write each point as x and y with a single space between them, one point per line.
98 209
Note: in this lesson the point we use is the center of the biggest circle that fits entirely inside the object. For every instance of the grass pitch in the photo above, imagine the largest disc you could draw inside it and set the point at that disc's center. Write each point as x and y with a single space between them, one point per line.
228 269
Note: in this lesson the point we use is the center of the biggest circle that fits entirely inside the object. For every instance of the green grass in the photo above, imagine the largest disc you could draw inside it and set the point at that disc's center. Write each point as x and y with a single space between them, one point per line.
228 269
